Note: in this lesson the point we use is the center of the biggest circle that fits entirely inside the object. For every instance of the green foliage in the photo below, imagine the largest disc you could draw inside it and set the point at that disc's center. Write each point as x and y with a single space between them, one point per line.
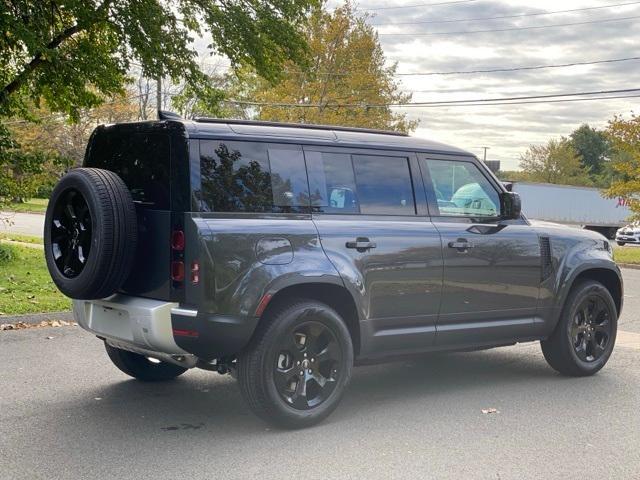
347 67
71 53
592 146
624 135
556 162
26 286
7 254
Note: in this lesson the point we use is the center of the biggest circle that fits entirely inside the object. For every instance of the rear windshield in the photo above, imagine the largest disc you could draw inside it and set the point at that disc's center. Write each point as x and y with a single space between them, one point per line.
142 160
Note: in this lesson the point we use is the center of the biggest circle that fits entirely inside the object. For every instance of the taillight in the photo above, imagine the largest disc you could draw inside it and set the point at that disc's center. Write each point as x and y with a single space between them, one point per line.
195 272
177 271
177 240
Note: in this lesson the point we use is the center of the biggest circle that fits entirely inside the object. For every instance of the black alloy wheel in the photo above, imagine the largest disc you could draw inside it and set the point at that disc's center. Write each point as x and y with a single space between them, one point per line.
585 335
307 366
298 364
591 328
90 233
71 233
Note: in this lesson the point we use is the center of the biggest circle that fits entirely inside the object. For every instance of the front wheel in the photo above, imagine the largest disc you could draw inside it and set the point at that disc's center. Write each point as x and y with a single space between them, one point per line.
586 332
621 243
296 368
141 367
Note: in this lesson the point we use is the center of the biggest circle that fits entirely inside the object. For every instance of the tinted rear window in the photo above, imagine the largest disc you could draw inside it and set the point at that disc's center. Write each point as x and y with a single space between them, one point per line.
142 160
367 184
252 177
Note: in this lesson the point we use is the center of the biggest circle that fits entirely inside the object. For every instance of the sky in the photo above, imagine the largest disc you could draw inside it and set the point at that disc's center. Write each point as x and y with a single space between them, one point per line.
444 45
508 129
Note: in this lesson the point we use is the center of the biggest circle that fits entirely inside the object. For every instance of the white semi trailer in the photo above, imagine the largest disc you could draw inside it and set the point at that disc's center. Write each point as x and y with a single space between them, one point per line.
581 206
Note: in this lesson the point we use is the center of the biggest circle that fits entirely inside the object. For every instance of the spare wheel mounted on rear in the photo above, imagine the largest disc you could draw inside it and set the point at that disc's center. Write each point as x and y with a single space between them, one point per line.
90 233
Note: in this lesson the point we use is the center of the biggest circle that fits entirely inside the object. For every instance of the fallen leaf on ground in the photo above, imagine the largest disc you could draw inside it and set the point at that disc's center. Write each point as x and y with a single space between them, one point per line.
43 324
490 410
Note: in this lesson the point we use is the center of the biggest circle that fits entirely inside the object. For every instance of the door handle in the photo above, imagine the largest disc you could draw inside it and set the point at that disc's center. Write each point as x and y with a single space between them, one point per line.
462 245
361 244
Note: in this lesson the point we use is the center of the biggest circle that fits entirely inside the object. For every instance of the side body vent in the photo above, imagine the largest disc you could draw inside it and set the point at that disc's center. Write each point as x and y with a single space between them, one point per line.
545 257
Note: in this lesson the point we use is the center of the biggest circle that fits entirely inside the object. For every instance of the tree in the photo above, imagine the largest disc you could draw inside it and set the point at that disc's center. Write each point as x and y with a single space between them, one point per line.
57 135
71 53
556 162
592 146
346 67
624 136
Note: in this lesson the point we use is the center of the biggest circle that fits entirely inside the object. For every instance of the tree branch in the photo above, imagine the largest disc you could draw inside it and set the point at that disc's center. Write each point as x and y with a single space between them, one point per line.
37 60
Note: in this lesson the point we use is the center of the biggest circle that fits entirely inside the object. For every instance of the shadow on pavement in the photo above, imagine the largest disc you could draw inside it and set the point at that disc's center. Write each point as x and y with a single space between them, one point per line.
204 399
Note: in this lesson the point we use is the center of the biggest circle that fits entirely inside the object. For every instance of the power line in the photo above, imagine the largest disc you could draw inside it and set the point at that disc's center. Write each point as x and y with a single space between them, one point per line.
514 69
545 99
419 5
510 29
503 17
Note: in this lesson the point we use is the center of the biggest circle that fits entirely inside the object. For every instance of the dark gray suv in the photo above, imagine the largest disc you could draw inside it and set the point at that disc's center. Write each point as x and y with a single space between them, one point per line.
283 254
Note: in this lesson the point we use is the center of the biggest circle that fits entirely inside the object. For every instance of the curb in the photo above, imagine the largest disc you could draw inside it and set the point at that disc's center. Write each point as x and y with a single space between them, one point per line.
633 266
36 318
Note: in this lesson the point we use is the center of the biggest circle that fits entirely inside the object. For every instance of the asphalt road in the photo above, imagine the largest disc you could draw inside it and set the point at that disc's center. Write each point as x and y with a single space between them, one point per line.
22 223
66 412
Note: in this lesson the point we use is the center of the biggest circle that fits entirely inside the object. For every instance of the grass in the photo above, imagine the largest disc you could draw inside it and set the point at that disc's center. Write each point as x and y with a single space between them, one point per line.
20 238
33 205
629 254
25 285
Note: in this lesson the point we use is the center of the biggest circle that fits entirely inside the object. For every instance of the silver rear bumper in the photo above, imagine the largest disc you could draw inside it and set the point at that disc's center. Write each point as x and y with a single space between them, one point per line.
140 325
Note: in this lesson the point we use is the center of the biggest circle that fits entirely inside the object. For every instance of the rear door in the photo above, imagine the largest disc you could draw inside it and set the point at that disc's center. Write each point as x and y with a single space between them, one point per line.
153 165
370 210
492 267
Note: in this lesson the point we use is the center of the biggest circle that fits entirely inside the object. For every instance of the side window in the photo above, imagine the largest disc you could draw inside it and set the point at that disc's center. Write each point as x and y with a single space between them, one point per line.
384 185
251 177
461 190
331 183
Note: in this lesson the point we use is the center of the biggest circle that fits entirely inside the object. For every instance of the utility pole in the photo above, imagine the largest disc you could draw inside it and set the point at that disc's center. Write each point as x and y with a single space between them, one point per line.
159 93
485 153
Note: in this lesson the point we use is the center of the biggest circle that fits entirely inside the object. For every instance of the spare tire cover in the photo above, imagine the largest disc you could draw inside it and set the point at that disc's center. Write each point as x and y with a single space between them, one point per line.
90 233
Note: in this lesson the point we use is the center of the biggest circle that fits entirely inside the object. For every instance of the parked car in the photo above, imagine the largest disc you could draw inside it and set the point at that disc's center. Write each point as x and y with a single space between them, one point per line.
283 254
628 234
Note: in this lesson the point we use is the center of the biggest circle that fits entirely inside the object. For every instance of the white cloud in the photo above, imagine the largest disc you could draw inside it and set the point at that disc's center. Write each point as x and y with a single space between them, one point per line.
510 129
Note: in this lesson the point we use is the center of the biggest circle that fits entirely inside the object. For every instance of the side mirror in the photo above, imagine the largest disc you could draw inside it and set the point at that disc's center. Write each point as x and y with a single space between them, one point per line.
510 205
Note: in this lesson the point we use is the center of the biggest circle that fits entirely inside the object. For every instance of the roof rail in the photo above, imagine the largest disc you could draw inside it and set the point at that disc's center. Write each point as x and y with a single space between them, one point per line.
296 125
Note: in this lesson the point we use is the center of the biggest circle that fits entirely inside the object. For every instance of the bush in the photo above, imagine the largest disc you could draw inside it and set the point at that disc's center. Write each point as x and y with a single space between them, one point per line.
7 254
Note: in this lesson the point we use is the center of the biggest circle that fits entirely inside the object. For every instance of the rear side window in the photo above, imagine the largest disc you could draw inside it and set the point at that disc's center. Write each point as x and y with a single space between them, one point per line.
384 185
367 184
252 177
142 160
332 183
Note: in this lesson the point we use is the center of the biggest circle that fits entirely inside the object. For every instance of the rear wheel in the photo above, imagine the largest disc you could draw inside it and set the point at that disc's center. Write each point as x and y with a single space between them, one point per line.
141 367
620 243
586 333
296 369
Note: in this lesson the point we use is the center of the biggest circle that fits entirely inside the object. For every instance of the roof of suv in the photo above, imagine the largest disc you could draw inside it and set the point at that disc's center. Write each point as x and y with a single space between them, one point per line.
205 128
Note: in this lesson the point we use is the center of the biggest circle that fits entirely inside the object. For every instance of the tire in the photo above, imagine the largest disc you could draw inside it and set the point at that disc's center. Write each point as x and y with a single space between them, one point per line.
621 243
274 391
140 367
582 354
90 233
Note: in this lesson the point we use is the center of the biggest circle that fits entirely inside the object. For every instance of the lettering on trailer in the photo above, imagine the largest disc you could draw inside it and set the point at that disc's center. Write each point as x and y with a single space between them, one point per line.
623 202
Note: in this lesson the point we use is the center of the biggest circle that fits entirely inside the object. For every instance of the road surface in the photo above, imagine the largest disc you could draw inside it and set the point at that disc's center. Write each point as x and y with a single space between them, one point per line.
67 413
22 223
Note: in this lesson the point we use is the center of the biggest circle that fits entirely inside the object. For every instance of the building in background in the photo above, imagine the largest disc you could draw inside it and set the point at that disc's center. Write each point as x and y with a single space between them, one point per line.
494 165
